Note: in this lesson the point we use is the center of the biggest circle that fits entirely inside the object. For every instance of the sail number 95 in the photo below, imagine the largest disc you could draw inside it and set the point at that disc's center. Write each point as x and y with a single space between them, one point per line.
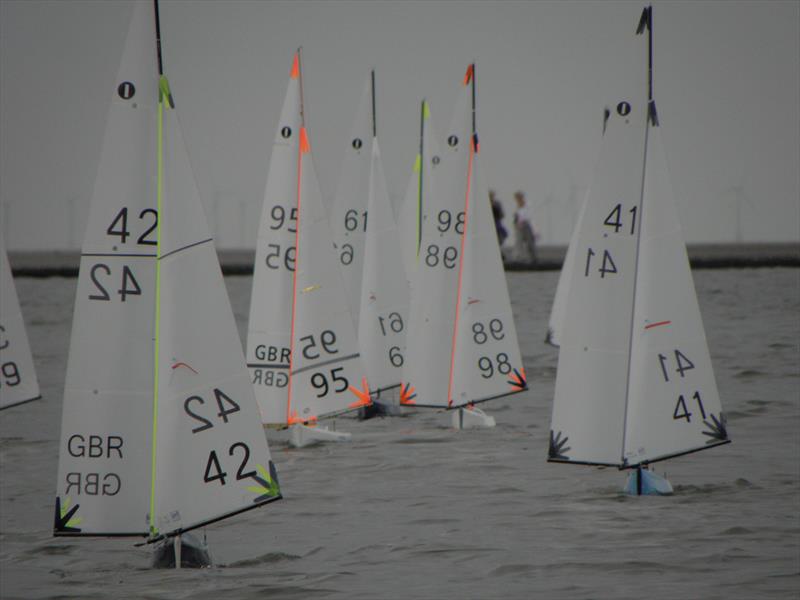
320 382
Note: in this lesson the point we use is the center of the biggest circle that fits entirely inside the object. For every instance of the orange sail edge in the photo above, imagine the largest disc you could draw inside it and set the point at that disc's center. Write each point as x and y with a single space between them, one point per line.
407 394
295 420
518 380
295 72
305 147
468 74
363 395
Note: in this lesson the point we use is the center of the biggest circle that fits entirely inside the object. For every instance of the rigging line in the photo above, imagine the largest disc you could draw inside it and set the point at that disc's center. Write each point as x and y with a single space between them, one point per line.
419 177
460 273
296 262
635 284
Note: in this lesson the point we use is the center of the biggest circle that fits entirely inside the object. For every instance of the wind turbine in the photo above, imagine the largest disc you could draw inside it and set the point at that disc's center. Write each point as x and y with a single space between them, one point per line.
741 198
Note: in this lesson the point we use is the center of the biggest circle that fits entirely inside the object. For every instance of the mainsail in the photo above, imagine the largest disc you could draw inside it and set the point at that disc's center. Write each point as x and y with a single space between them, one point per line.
462 343
634 379
160 430
301 346
18 383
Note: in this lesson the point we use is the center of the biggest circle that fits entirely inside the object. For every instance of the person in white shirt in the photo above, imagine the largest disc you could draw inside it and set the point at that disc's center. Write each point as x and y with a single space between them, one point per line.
526 236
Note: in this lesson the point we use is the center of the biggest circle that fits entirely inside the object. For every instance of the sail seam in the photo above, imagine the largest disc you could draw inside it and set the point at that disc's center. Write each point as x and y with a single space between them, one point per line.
113 254
325 362
186 247
267 366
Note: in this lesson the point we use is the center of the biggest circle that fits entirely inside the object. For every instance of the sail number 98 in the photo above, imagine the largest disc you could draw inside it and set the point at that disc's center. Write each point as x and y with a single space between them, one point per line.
479 334
445 219
447 258
487 366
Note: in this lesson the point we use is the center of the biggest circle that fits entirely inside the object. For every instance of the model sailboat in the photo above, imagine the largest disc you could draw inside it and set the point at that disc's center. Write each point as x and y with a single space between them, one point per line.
18 383
160 430
462 342
635 383
383 315
302 349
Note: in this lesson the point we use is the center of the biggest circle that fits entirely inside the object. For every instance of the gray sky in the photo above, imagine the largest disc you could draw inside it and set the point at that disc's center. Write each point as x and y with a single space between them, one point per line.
727 85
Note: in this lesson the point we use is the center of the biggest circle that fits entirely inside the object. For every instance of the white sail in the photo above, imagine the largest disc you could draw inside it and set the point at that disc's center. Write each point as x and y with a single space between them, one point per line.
105 451
591 383
211 455
673 404
555 325
154 348
18 381
327 376
488 362
384 288
300 328
348 217
413 211
459 292
269 327
635 383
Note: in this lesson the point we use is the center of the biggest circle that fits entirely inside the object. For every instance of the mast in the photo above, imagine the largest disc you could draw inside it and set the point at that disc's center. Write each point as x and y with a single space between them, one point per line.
159 198
474 110
374 118
646 22
158 38
300 78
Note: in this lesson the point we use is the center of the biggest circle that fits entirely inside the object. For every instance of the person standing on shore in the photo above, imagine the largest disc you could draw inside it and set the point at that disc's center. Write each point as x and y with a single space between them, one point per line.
526 237
497 212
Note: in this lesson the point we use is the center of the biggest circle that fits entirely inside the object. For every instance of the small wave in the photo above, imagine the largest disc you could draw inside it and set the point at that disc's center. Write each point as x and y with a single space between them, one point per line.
268 558
750 374
503 570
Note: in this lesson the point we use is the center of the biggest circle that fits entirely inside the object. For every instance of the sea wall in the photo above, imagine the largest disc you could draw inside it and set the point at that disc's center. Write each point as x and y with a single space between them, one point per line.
550 258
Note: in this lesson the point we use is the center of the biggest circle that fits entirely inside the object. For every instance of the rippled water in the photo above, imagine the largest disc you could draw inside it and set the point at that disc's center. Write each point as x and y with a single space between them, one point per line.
413 509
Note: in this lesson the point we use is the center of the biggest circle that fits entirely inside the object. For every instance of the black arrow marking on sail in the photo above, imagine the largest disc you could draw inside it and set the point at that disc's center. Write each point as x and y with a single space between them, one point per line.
718 430
520 383
557 449
60 523
644 21
273 474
